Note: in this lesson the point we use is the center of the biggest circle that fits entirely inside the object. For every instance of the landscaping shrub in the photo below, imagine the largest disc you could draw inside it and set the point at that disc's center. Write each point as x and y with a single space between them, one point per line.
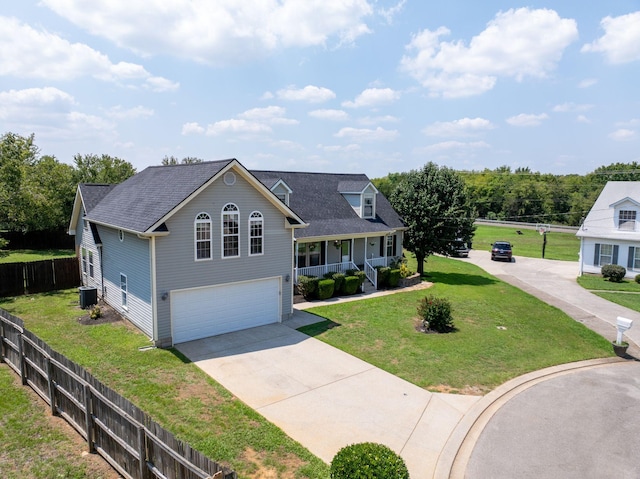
339 279
637 278
613 272
361 276
325 288
368 460
404 270
350 272
383 276
351 284
436 314
308 286
394 277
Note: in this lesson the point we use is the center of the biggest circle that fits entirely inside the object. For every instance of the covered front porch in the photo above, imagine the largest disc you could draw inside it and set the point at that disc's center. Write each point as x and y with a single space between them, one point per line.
338 255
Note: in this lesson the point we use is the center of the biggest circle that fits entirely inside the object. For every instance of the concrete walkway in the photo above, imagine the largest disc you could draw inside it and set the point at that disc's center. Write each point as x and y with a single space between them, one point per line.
326 399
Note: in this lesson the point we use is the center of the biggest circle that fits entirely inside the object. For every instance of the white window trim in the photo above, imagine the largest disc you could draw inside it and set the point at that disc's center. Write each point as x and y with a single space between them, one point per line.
198 220
624 221
601 255
235 212
389 246
90 263
365 196
83 254
636 258
256 219
124 292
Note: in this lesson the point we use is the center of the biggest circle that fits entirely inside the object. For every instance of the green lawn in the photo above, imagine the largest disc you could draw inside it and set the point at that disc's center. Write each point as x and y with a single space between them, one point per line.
625 293
502 332
172 390
26 255
560 246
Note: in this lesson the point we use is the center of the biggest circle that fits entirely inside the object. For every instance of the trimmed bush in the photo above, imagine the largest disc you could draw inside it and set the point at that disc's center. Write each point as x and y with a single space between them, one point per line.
368 460
308 286
350 272
339 279
383 276
361 276
613 272
394 278
325 288
637 278
351 284
436 314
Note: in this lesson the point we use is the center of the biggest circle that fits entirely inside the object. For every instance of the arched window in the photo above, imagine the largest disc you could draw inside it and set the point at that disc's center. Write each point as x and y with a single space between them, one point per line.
202 236
256 233
230 231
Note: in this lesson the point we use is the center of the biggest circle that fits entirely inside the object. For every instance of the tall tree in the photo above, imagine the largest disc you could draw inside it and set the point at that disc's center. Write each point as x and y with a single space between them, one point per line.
102 169
435 205
172 160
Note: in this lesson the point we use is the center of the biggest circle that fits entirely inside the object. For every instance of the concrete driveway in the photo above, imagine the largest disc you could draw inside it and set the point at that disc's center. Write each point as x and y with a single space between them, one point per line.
326 399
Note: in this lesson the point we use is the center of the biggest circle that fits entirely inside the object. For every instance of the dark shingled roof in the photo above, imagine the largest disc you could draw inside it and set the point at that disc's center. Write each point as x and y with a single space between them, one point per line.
141 201
92 194
317 199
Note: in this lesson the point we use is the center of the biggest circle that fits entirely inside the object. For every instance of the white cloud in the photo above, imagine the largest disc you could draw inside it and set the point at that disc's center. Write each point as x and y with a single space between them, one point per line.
237 126
583 119
587 82
572 107
270 114
120 113
621 40
310 93
328 114
30 53
622 134
221 32
462 127
524 119
374 120
372 97
389 13
192 128
518 43
365 134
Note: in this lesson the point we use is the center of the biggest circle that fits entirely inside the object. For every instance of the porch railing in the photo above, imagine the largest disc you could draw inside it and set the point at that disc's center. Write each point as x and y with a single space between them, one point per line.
371 273
323 269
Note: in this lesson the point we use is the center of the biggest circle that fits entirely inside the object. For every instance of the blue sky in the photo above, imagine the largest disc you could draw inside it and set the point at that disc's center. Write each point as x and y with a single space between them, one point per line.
367 86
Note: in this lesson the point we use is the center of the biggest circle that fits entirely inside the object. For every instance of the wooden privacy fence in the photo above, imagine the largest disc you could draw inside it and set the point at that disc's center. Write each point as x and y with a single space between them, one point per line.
39 276
126 437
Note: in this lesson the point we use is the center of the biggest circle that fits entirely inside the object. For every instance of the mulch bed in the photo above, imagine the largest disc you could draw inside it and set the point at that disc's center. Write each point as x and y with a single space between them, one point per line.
108 315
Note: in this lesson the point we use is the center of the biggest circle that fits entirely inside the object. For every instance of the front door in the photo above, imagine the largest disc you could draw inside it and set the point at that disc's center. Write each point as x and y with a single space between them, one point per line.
345 250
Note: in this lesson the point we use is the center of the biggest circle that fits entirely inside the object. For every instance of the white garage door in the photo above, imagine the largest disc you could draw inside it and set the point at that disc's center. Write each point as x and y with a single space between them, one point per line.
199 313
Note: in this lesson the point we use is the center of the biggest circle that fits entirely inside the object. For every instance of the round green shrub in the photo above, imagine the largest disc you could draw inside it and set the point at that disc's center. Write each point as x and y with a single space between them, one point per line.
339 279
351 284
308 286
361 276
368 460
383 276
394 277
435 313
613 272
325 288
637 278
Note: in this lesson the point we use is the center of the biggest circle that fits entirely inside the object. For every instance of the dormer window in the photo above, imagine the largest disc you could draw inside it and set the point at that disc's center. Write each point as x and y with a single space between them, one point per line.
368 210
627 220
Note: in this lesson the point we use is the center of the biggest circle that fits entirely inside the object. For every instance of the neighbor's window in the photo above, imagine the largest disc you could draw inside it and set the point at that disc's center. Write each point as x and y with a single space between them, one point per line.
390 251
91 263
606 254
368 206
84 261
256 233
627 220
123 289
636 258
230 231
202 231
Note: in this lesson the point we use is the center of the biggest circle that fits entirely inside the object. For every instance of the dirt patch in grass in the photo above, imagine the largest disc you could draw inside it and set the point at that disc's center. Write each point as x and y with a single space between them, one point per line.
466 391
107 315
288 465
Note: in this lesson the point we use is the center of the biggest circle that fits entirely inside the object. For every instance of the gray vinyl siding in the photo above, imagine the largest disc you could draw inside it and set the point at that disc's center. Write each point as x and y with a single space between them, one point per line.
129 257
84 239
176 267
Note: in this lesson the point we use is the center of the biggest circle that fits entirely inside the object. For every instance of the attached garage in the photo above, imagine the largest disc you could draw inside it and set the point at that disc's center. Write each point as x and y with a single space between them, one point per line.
209 311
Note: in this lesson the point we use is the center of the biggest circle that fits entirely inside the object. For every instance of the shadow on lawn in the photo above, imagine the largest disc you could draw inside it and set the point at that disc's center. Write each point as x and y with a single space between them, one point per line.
316 329
459 279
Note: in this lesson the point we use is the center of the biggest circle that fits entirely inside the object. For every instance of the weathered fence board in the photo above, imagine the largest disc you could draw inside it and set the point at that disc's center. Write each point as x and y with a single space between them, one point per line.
135 445
39 276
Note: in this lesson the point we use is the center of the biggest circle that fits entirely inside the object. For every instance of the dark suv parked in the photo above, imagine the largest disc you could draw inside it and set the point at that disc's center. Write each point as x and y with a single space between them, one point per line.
501 250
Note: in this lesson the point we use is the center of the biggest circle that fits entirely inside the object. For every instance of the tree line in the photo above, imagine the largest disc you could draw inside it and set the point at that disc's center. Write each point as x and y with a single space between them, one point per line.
528 196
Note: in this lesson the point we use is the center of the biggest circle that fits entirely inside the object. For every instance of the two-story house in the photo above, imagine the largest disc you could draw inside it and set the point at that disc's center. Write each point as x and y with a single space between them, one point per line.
610 233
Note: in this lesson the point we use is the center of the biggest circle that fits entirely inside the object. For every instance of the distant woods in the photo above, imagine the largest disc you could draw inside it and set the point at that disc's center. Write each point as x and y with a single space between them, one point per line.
528 196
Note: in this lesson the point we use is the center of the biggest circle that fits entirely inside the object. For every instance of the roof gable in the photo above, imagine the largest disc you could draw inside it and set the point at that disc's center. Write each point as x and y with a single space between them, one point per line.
601 221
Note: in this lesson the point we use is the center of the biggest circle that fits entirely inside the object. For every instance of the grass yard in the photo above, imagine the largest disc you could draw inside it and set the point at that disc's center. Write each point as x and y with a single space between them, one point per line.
560 245
26 255
502 332
39 446
172 390
625 293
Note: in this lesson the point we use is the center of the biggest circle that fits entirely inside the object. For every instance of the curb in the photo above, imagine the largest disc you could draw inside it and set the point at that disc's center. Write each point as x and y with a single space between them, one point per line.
454 457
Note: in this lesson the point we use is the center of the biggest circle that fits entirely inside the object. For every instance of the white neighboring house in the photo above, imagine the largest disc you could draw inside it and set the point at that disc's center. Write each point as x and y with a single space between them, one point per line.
610 234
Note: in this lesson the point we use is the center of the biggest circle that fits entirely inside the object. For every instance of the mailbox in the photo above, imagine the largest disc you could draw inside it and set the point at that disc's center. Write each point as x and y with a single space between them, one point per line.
623 324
